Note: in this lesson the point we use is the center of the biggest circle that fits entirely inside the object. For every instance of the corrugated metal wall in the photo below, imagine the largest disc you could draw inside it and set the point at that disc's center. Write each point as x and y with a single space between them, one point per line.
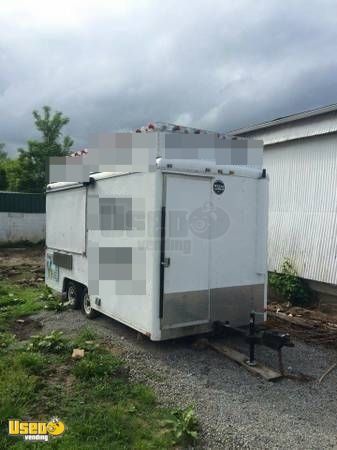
303 206
20 202
307 127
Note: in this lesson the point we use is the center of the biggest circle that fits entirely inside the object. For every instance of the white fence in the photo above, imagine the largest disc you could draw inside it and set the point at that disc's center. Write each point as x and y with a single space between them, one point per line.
22 227
22 217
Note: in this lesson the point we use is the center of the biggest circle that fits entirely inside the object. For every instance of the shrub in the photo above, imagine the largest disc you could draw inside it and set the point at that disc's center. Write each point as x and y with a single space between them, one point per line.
289 286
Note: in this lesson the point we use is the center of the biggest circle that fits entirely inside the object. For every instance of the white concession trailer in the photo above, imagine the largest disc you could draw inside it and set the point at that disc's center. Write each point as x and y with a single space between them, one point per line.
168 249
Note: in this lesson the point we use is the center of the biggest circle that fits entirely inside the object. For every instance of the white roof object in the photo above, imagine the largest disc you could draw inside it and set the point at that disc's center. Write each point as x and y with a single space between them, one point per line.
73 184
173 165
206 167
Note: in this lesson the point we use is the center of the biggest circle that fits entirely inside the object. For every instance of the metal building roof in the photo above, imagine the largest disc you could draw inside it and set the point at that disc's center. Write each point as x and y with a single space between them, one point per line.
315 122
286 119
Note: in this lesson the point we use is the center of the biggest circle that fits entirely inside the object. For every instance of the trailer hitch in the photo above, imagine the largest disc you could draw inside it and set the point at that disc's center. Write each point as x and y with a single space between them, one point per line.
276 340
272 339
257 336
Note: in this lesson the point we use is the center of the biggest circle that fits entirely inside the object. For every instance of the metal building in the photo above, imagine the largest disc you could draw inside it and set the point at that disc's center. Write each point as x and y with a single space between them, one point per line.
300 154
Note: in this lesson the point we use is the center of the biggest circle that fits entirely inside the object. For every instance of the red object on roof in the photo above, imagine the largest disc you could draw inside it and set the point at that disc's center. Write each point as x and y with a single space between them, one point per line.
82 152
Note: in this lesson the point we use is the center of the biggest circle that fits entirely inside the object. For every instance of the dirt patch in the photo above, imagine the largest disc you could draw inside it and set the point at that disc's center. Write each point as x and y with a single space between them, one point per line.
24 266
24 328
19 256
61 375
309 325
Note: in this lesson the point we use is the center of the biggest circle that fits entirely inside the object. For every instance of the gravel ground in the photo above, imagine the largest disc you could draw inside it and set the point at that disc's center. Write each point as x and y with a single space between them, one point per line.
236 409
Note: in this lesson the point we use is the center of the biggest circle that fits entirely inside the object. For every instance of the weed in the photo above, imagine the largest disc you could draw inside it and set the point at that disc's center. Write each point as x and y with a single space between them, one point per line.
52 343
17 301
86 340
140 392
86 334
51 301
54 304
184 425
10 300
96 365
34 363
289 286
5 340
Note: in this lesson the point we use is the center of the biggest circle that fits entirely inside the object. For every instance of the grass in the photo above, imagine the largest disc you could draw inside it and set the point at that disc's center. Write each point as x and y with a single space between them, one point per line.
93 396
17 301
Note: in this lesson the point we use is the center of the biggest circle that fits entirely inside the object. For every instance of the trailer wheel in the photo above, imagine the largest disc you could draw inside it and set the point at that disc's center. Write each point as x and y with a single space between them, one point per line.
89 312
74 295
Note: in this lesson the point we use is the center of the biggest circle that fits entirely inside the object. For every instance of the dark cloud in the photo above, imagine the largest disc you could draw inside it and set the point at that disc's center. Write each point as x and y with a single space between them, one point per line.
117 65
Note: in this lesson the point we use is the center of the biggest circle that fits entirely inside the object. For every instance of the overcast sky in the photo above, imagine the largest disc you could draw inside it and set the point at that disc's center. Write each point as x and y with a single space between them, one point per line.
118 64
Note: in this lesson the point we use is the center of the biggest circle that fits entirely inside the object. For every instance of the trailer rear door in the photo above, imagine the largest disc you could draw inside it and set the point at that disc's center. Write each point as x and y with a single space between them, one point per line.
185 256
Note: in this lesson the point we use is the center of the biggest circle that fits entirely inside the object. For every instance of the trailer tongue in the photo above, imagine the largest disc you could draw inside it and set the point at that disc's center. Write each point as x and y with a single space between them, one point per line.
255 335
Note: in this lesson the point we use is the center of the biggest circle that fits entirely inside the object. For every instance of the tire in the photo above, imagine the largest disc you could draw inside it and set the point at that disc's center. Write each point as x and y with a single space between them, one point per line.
87 310
74 295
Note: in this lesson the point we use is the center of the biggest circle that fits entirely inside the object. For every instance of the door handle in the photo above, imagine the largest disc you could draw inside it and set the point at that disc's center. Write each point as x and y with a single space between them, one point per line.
166 262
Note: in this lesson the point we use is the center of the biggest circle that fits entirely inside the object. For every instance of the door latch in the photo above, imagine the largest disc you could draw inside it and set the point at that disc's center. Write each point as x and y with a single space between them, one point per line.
166 262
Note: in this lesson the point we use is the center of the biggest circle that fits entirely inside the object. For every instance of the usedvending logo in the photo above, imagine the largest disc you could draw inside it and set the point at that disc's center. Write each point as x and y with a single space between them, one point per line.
36 430
218 187
209 221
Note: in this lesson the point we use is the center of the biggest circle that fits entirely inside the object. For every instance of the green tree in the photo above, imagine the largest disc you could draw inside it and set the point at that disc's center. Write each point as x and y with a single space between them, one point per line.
12 173
30 174
3 153
3 173
3 178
